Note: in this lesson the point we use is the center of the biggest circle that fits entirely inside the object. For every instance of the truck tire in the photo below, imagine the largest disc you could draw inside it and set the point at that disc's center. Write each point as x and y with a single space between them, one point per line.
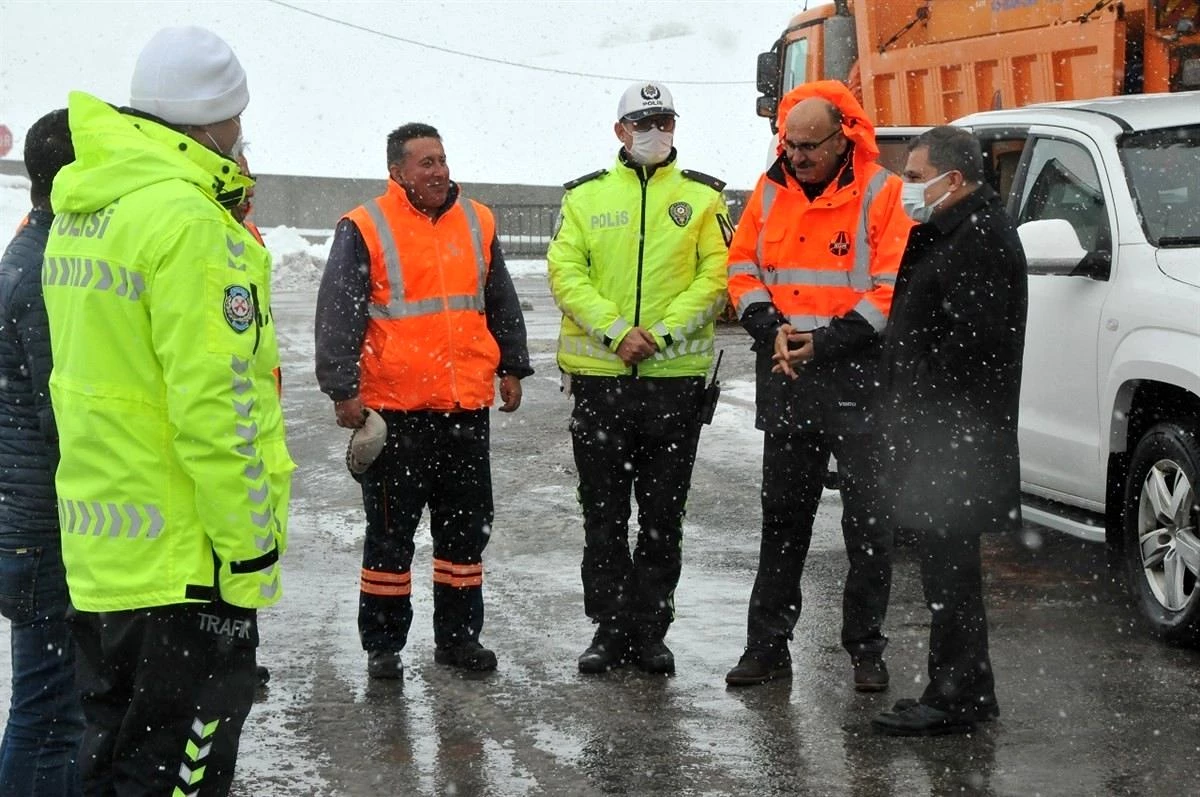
1162 531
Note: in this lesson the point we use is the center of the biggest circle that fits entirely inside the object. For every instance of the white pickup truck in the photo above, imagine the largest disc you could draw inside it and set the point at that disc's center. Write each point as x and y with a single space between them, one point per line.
1106 195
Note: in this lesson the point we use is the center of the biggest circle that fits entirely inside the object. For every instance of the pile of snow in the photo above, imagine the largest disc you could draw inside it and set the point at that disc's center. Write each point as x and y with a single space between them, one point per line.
297 264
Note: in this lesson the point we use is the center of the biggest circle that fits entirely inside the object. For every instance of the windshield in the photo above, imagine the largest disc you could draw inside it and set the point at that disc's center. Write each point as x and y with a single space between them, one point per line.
795 65
1164 175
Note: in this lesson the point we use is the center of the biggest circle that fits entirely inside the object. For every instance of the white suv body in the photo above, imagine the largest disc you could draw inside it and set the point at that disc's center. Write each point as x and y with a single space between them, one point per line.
1106 195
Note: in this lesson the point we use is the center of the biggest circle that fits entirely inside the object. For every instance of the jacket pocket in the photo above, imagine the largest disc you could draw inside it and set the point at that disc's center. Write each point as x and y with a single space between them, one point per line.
18 583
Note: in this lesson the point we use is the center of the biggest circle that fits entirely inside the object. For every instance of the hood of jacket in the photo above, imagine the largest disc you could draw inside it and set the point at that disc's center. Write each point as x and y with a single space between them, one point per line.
855 124
118 152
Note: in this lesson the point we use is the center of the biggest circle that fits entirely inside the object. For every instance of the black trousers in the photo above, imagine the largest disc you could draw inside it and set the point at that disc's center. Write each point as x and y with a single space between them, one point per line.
960 670
441 460
640 435
793 473
165 692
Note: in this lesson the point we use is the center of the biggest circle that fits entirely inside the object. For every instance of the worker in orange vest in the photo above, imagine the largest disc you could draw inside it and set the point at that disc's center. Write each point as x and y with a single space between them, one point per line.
417 318
811 268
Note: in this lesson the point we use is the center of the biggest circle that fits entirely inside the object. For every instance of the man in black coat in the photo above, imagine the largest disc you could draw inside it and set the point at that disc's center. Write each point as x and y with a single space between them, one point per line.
951 381
45 719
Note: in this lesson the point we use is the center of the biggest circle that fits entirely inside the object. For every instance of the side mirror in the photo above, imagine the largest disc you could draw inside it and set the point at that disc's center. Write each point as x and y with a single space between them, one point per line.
768 74
1051 246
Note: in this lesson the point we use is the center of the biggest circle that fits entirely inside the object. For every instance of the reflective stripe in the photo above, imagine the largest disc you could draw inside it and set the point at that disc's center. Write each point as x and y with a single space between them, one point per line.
883 279
860 274
459 576
768 199
858 278
616 329
587 347
196 751
396 585
100 517
876 319
751 297
821 277
258 492
804 323
75 272
742 267
397 306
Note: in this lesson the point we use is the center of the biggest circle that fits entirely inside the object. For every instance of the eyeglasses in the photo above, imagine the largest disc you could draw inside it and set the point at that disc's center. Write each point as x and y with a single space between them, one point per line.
664 123
808 146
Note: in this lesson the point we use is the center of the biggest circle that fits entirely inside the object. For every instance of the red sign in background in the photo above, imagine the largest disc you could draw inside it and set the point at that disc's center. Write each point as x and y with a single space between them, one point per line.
5 140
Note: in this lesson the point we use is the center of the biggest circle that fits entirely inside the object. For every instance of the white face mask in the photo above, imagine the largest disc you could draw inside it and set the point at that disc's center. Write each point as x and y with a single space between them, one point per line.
912 198
235 151
651 147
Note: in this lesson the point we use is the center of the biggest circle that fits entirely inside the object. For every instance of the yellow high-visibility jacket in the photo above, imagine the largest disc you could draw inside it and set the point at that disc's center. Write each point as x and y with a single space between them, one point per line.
630 251
174 476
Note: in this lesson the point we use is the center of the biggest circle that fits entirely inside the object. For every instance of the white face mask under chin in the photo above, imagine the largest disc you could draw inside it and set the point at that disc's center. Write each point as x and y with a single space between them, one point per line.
651 147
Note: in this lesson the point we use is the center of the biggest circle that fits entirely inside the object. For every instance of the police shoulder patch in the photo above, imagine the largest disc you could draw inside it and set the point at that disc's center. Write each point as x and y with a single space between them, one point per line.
578 181
238 308
707 179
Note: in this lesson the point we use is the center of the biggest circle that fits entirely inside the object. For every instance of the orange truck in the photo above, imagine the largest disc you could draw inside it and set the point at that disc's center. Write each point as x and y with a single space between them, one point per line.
927 62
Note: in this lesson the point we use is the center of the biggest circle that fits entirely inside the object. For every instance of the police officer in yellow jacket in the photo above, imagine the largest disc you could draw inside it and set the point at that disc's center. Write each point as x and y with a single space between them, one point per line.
637 267
174 475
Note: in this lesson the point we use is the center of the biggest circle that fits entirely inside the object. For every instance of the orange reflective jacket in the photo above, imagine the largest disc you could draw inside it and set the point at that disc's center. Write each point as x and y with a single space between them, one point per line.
831 256
427 344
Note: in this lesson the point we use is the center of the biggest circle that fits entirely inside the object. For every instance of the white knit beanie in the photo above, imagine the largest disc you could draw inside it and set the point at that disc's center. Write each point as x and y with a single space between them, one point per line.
188 76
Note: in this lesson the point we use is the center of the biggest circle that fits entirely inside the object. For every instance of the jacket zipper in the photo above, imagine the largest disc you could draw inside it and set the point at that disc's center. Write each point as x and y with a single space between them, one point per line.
637 306
258 319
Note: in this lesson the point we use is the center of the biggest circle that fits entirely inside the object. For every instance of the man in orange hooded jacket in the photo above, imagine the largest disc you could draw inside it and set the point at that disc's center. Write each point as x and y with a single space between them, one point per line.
811 272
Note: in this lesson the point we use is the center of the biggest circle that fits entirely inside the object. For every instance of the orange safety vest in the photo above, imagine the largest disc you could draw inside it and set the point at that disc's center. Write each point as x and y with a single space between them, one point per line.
427 345
820 259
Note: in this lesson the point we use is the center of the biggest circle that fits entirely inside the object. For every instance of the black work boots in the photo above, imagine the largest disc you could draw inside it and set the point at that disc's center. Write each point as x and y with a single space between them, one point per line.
613 646
609 649
759 665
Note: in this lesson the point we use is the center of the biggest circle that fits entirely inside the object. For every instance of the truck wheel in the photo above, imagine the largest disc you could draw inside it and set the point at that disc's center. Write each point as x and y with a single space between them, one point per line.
1162 538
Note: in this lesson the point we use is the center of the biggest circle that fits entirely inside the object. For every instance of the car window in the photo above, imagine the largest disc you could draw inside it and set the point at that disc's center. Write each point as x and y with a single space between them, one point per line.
1063 184
1164 177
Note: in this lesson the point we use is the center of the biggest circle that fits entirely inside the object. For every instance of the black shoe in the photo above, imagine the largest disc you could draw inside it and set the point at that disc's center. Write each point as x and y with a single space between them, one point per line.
656 657
921 720
609 649
385 665
263 675
870 674
759 665
469 655
979 712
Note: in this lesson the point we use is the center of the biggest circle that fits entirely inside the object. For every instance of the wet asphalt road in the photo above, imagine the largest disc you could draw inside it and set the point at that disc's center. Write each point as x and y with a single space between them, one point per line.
1091 704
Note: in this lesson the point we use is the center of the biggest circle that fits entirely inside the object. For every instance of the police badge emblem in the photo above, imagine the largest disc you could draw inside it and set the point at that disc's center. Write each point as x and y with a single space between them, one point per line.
680 213
650 92
239 308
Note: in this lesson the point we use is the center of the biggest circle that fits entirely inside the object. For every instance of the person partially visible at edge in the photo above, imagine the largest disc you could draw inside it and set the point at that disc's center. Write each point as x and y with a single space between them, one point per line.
811 272
45 720
417 319
951 384
637 266
174 475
